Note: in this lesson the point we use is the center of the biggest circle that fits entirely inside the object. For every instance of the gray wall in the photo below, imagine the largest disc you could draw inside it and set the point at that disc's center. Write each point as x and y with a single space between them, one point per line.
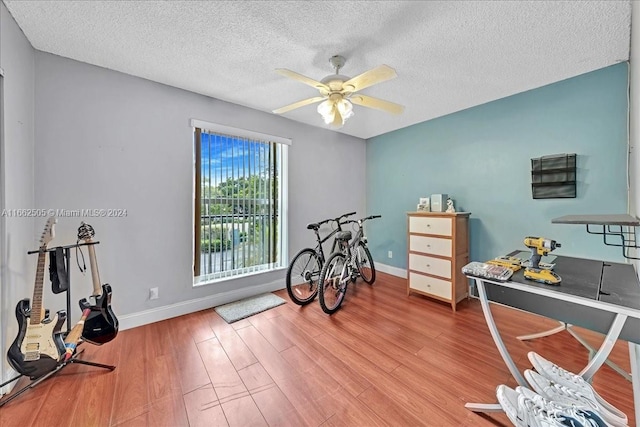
110 140
17 269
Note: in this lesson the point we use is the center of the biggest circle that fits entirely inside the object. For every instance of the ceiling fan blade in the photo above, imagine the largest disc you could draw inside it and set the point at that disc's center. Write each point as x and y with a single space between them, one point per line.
303 79
378 104
369 78
298 104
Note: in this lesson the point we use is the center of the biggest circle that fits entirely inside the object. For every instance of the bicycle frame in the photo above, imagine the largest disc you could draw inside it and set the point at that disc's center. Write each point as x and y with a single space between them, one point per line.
355 241
320 241
348 249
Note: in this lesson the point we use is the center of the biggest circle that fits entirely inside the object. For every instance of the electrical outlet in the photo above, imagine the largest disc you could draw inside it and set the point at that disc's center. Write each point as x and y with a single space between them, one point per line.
390 254
153 293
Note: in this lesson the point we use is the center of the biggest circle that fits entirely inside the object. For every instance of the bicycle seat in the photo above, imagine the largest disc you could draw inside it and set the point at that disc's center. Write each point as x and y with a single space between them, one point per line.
343 235
314 226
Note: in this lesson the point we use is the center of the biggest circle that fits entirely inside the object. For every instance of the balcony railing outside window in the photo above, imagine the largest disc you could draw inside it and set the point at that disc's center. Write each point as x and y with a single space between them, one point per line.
238 203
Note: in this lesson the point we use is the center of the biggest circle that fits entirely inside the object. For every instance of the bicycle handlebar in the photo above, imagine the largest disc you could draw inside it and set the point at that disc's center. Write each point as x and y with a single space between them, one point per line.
363 219
337 219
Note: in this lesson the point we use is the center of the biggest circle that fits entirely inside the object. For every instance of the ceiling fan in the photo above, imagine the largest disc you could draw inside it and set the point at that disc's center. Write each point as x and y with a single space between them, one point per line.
338 92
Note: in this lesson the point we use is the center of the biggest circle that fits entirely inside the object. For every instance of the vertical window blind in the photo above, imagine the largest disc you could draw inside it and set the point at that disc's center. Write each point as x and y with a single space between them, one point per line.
238 205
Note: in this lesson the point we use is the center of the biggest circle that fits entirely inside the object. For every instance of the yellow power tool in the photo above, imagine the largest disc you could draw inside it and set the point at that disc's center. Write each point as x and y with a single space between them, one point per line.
540 247
511 263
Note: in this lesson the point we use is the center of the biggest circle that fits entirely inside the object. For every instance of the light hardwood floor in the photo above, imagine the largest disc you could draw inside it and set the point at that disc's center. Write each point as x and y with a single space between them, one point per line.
383 359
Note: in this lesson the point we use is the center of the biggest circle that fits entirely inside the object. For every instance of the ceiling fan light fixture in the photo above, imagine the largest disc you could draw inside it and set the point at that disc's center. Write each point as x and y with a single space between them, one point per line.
327 110
335 112
346 109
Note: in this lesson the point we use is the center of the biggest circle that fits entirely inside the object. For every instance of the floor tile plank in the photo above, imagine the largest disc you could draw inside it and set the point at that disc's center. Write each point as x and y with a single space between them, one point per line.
225 379
203 408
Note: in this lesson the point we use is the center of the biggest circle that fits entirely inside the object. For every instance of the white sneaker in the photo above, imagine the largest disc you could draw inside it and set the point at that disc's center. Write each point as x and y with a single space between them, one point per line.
575 382
566 396
586 416
524 412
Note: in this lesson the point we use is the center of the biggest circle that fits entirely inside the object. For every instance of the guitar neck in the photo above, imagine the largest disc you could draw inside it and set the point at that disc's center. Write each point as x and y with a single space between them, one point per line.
37 312
76 332
95 275
74 336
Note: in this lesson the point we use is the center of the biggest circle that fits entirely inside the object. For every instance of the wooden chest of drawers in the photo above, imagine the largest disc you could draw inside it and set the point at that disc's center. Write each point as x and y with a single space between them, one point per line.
438 248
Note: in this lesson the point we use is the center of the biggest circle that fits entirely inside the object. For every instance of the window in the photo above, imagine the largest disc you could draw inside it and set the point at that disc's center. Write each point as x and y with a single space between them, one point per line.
240 195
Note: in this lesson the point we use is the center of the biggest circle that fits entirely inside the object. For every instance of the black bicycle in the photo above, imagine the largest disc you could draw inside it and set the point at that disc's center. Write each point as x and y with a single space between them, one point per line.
305 267
350 261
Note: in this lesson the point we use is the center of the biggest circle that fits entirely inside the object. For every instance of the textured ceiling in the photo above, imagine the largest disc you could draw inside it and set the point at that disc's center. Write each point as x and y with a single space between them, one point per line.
449 55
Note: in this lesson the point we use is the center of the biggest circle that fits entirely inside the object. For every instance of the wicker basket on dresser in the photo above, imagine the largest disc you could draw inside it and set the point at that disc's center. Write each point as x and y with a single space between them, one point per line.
438 248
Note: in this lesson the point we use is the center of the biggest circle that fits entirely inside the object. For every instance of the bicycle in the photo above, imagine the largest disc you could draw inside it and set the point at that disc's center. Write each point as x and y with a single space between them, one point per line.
352 260
305 267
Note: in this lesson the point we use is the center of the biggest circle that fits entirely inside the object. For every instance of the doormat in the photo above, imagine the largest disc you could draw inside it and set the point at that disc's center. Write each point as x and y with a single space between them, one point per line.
244 308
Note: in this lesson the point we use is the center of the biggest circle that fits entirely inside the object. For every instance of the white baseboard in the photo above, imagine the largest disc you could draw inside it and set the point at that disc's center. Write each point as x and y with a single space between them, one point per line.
185 307
394 271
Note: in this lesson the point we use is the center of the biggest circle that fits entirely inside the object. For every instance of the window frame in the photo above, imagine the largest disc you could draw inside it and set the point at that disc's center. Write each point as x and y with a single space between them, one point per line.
282 206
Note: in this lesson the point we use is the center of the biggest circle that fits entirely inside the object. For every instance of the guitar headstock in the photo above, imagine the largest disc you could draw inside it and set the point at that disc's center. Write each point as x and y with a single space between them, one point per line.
85 232
48 233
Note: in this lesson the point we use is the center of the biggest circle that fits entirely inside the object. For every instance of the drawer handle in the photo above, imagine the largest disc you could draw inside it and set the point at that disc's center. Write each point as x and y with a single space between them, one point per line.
428 265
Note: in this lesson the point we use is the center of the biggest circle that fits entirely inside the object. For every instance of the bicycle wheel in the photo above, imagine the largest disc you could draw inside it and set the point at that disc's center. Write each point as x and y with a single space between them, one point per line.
333 283
302 277
366 268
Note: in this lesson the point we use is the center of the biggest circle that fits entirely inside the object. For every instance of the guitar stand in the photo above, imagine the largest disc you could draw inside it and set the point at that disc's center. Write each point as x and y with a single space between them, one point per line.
74 357
59 367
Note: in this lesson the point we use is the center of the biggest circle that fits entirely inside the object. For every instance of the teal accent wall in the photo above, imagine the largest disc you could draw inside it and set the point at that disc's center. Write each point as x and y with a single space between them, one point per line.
482 156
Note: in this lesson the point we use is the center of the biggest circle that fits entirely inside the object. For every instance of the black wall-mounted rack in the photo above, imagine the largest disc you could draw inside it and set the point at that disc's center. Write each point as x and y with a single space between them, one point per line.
553 177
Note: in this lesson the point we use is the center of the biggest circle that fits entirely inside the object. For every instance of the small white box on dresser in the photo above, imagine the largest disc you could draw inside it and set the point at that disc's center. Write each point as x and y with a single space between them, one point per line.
438 248
438 202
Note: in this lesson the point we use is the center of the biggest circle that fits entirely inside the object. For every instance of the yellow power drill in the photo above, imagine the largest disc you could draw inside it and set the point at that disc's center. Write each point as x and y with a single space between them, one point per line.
539 247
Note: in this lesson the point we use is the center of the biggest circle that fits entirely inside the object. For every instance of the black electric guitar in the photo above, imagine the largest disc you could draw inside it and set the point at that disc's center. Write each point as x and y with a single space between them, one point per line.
101 325
39 344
